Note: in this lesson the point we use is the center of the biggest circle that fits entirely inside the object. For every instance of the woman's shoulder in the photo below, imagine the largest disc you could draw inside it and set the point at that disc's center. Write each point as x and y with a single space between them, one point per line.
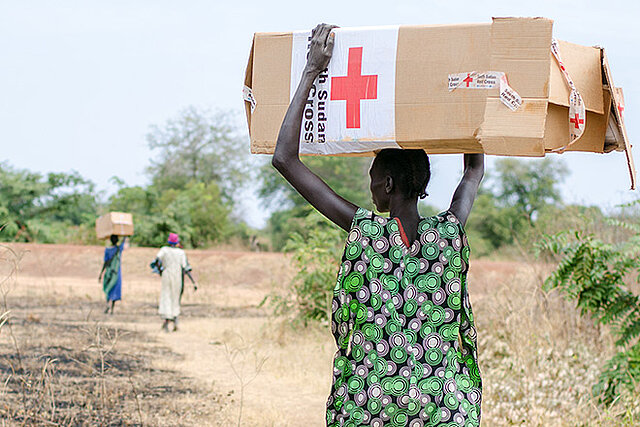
444 216
369 223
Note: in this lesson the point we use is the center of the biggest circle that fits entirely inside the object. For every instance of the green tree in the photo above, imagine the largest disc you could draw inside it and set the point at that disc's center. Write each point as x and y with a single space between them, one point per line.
512 199
199 146
528 186
347 176
34 207
197 212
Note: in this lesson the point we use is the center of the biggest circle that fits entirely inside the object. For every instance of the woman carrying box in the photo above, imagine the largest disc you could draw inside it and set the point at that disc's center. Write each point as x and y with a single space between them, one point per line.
401 315
112 283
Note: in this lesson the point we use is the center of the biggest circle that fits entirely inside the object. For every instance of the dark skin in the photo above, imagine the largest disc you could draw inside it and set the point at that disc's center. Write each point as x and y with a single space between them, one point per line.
387 196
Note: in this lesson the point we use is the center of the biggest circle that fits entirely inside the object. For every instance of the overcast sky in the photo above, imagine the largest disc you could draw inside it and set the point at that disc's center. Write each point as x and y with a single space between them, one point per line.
82 81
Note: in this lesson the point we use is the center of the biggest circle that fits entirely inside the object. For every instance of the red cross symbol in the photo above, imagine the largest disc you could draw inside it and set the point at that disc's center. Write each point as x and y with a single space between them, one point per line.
353 87
468 79
577 121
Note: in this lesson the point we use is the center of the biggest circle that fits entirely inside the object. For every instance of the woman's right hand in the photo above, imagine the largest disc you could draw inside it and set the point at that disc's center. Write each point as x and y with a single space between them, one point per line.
321 48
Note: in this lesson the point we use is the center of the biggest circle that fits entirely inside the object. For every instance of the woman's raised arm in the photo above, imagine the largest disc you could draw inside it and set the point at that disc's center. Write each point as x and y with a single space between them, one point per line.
286 157
466 192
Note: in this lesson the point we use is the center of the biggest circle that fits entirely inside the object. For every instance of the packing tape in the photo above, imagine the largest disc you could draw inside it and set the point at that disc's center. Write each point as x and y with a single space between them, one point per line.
577 112
487 80
247 95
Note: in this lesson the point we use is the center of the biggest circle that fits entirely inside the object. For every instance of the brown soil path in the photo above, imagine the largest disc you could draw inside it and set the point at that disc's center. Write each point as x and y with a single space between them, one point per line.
224 338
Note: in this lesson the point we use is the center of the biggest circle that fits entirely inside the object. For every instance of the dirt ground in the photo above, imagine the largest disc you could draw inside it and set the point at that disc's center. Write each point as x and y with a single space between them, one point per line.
64 362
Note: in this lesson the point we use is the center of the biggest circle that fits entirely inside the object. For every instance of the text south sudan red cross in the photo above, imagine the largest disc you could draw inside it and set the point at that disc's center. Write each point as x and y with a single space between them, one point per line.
353 87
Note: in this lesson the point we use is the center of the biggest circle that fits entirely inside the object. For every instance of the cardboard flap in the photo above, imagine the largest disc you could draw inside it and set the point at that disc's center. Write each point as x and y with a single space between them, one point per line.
520 49
271 77
584 66
616 116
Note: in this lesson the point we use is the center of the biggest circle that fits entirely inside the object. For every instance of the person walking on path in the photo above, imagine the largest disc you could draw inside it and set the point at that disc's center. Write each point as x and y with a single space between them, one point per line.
401 315
111 268
173 264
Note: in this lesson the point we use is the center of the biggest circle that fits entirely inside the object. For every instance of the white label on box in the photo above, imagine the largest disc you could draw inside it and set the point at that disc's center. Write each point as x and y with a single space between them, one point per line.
487 80
577 112
247 95
351 105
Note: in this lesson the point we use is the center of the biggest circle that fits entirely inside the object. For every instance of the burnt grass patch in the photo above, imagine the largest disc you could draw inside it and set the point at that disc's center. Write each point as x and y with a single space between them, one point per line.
58 367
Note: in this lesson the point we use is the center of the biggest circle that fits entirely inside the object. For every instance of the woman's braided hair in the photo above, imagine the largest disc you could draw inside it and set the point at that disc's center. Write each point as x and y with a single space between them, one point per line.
409 168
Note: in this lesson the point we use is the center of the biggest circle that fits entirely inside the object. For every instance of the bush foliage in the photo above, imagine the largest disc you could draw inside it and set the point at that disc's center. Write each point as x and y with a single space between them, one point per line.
597 275
316 251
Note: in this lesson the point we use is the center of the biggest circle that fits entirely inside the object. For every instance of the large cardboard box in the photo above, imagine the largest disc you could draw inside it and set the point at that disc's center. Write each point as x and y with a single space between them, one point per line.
392 87
118 223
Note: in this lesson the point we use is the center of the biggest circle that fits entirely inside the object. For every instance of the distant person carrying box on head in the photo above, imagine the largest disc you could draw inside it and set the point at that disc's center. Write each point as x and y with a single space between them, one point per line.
171 263
111 268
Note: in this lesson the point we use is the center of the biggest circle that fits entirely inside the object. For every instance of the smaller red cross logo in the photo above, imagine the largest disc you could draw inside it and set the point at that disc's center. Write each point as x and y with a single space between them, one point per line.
354 87
468 79
577 121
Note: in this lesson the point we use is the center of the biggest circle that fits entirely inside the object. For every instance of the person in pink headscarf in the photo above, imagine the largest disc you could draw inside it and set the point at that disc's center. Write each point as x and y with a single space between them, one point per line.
172 263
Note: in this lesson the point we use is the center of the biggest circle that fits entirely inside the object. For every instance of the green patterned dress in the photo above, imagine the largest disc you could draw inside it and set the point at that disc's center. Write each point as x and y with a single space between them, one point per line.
403 325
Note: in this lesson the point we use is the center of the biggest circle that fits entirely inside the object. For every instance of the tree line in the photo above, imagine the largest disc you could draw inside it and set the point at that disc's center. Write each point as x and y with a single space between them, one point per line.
201 163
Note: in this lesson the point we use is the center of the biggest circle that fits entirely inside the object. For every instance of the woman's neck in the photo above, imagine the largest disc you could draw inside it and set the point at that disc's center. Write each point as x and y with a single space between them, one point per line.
407 212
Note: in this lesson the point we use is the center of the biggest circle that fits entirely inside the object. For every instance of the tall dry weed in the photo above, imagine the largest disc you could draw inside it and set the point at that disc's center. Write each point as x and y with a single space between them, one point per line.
540 358
245 361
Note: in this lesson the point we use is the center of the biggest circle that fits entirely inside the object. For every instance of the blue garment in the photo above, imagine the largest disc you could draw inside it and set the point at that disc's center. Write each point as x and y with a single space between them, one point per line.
115 291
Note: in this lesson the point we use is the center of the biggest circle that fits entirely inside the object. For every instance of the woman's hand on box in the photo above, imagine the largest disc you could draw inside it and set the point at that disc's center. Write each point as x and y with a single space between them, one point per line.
321 48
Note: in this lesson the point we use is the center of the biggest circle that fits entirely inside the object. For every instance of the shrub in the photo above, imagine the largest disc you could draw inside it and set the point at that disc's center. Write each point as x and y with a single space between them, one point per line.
316 255
595 275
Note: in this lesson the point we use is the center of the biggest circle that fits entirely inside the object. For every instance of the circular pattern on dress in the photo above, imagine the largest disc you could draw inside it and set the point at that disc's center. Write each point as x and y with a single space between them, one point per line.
391 368
353 282
410 292
437 268
433 340
355 234
439 296
353 250
382 347
398 354
390 283
360 267
453 301
372 331
396 314
447 230
374 406
448 315
410 307
388 265
433 356
397 301
430 251
363 294
411 266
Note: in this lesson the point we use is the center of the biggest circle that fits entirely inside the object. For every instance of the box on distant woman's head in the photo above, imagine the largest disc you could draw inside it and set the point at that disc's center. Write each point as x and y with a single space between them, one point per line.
118 223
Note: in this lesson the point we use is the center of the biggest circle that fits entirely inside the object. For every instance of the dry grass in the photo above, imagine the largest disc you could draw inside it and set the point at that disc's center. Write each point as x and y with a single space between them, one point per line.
76 366
539 357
